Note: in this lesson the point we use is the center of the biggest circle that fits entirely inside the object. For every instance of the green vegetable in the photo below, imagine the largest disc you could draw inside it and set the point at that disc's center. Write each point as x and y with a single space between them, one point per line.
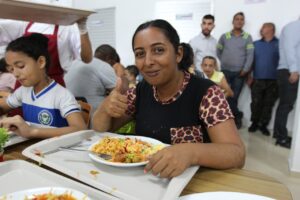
3 137
130 155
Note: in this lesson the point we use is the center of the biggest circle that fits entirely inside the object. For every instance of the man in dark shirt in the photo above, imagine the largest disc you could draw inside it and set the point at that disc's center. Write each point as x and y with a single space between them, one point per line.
264 90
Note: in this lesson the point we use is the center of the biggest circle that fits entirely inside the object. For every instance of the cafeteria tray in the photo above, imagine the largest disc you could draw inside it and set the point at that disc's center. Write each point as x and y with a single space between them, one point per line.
125 183
17 175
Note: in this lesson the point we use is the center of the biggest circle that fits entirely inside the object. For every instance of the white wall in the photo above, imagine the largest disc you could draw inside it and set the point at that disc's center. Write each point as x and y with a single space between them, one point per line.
131 13
278 11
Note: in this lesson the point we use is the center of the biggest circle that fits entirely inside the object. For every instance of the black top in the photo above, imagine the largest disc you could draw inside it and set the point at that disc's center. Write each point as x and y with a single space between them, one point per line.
160 121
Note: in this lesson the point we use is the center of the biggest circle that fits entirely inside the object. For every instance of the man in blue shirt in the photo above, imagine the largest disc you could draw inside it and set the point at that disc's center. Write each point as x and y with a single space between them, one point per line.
288 78
264 90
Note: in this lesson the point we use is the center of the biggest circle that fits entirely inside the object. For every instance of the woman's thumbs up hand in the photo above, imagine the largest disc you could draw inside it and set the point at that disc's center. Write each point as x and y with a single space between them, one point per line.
116 103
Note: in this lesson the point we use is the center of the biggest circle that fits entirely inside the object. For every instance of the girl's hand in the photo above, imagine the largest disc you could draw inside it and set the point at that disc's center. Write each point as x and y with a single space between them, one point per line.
170 161
17 125
116 103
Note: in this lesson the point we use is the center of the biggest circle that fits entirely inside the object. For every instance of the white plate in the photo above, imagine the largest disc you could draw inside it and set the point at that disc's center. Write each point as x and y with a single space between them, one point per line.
224 196
117 164
37 191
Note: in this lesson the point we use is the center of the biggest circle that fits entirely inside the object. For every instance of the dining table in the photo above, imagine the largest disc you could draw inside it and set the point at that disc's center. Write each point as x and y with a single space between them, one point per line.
205 179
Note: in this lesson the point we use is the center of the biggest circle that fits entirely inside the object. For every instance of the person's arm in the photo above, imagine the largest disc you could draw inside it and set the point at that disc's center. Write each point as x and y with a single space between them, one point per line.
290 40
227 147
225 151
18 125
111 114
249 56
14 100
249 78
289 43
220 47
86 47
225 86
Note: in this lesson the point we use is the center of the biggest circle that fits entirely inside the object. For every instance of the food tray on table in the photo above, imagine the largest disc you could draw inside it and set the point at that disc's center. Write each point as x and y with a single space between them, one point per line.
123 182
18 176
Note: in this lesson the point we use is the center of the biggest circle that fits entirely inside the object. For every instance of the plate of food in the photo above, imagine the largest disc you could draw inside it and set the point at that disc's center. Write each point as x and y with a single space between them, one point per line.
47 193
125 151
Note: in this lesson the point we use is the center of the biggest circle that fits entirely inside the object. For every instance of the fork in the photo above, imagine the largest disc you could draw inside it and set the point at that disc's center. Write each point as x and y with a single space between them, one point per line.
101 155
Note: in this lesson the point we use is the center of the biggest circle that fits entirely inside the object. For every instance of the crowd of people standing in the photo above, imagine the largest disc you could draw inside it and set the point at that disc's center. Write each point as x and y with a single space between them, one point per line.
270 65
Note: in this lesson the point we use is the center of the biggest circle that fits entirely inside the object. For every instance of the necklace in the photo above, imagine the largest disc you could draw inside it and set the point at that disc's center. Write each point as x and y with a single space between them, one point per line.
174 94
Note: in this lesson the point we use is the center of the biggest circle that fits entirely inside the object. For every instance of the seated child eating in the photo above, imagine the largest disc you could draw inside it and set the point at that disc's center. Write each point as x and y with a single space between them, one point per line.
50 109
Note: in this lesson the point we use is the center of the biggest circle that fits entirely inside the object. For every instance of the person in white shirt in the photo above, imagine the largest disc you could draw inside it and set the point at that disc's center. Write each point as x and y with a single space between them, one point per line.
66 43
92 81
204 44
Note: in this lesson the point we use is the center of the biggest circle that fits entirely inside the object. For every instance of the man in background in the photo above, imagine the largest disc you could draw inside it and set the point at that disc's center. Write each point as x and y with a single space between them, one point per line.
204 44
288 79
264 89
93 81
235 50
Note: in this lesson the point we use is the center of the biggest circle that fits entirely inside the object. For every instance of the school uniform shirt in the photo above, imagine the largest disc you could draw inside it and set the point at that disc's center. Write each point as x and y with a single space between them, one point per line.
48 108
68 41
184 118
203 46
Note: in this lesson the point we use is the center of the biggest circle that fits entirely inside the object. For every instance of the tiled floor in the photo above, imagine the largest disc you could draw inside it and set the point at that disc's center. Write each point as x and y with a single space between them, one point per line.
263 156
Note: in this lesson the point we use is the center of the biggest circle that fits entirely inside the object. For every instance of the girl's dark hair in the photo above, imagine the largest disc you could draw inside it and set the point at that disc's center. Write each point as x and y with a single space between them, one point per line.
188 56
34 46
168 30
3 65
108 54
132 69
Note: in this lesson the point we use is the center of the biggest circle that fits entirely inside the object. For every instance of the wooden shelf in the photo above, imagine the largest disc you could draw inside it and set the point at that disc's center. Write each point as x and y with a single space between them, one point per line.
44 13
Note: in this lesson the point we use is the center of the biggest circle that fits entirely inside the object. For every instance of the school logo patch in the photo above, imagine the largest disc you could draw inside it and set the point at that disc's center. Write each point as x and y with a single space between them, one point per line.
45 117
